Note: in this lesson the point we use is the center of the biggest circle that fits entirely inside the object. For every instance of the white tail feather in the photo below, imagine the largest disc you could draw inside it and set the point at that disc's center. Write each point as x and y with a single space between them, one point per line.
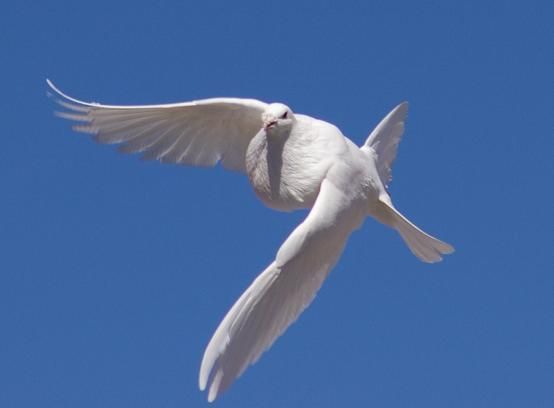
424 246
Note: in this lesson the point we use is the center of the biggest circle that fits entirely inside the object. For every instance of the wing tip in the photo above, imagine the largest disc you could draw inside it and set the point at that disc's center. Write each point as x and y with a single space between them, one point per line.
55 89
215 386
203 377
447 249
211 381
401 109
207 368
65 98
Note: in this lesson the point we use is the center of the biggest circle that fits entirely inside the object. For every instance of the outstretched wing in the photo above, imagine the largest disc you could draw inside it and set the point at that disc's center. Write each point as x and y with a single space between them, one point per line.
280 293
198 133
385 138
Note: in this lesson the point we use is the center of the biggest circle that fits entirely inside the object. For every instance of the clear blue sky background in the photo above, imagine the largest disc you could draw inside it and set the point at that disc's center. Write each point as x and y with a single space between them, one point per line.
114 272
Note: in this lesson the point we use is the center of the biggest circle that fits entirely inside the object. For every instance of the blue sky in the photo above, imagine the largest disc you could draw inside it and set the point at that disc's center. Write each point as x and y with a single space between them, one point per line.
115 272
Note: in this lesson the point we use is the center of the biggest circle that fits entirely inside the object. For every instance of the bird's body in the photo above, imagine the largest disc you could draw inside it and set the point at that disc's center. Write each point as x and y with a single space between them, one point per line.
292 162
286 166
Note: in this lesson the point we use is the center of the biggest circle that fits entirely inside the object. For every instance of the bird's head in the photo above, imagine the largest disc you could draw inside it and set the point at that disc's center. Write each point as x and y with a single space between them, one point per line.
277 116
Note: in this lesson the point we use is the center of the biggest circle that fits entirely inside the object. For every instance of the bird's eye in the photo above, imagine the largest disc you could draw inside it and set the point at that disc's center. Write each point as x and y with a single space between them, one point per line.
284 115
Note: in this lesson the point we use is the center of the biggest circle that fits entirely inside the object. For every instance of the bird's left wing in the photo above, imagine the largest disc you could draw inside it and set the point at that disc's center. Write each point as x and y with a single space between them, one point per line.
198 133
384 140
280 293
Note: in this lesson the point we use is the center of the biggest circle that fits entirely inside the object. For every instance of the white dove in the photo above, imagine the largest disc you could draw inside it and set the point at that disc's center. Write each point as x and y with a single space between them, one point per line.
293 161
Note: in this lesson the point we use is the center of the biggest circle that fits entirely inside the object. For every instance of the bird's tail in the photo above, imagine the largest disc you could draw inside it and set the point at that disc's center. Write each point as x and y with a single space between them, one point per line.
424 246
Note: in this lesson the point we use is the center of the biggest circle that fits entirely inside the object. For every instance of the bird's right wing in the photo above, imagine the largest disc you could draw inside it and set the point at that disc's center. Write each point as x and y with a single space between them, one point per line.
198 133
280 293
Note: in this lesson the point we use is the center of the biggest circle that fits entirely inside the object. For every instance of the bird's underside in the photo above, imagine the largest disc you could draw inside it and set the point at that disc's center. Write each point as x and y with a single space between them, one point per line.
292 161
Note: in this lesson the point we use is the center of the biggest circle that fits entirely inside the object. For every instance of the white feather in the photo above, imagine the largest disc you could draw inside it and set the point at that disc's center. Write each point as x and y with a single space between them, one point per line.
385 138
280 293
199 133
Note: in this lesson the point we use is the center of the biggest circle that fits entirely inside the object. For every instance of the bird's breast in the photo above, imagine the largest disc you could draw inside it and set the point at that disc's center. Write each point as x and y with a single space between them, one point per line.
286 170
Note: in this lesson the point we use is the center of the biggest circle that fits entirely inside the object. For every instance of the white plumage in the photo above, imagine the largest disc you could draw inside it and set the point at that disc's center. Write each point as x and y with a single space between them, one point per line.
293 161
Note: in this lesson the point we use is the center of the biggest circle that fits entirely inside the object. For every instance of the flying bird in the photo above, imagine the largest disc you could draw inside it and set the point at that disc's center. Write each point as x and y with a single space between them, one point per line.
293 161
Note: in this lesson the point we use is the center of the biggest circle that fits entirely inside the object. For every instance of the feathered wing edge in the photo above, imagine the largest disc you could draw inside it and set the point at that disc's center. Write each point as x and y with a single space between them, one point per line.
198 133
385 138
277 297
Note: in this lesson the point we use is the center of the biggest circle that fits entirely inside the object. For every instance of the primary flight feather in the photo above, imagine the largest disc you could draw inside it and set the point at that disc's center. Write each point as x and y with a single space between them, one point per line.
293 161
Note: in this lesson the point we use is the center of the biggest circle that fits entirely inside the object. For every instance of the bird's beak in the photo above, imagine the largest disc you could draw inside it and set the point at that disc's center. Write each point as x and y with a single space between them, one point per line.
269 124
